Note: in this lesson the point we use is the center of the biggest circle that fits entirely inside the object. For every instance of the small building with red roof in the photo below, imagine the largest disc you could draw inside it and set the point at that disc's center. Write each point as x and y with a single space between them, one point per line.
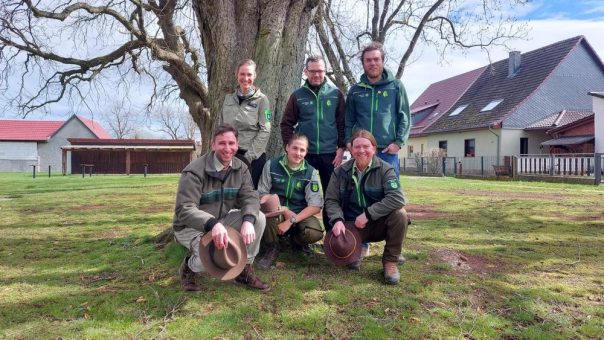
25 143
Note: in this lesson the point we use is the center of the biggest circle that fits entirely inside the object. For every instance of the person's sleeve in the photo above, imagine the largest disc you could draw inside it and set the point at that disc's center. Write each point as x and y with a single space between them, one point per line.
313 191
248 198
341 120
394 198
289 119
265 183
187 203
403 117
332 199
350 117
264 124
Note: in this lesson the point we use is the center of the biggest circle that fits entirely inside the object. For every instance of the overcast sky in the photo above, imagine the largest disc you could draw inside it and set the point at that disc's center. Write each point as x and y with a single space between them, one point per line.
549 21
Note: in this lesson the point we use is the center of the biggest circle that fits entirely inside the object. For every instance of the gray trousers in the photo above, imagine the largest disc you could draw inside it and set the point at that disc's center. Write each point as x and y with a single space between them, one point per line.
190 238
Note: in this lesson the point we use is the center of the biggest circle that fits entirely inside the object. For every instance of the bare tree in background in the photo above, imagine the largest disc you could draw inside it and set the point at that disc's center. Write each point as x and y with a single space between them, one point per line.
66 51
342 27
174 122
121 120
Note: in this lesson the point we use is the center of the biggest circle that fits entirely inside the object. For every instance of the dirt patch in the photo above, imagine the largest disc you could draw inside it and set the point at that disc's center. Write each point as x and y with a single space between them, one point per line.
157 209
424 212
461 262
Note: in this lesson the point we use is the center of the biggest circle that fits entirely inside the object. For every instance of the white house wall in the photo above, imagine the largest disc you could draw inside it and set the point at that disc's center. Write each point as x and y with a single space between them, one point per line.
418 144
50 153
510 141
485 142
17 156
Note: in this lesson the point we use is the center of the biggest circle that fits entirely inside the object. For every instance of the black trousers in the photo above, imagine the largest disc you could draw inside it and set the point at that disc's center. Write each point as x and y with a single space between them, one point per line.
255 167
323 164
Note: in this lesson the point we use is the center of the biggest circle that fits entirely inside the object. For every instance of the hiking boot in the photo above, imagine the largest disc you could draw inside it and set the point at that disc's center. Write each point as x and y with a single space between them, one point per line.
356 265
391 274
188 278
248 277
305 249
401 259
270 255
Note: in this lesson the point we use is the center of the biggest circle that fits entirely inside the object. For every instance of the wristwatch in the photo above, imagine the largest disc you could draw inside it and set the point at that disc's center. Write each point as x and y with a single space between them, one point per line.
293 220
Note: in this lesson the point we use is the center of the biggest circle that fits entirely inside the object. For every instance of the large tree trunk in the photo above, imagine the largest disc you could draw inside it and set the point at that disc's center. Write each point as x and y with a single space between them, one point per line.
271 32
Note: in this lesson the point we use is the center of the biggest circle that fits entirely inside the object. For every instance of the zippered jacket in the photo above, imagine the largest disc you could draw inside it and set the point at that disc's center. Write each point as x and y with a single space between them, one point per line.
297 189
377 192
251 118
205 195
319 116
381 108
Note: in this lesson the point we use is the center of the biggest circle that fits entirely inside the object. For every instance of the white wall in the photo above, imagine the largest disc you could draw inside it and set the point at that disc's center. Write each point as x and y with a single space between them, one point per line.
510 144
485 142
50 153
598 108
17 156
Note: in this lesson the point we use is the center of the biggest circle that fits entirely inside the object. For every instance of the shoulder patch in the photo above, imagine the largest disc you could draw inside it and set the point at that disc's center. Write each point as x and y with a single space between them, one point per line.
393 183
267 114
314 186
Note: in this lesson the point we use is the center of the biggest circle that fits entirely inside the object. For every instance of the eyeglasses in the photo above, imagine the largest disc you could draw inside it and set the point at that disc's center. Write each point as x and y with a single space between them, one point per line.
315 71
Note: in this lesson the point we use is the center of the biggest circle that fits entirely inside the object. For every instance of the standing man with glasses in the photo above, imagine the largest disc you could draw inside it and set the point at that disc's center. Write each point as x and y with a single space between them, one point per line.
317 110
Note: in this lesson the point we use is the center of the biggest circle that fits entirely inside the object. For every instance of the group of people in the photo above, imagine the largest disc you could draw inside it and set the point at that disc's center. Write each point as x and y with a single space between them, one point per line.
218 215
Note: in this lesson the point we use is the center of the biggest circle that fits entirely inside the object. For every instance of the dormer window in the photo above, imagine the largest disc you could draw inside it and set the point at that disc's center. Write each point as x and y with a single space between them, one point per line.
458 110
491 105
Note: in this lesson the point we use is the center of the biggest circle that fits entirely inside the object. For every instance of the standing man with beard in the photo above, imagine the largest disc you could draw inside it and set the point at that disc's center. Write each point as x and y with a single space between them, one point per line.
317 111
378 104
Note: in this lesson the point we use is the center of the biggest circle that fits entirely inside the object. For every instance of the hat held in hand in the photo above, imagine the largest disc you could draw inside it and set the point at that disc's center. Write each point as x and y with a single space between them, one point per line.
270 205
345 248
226 263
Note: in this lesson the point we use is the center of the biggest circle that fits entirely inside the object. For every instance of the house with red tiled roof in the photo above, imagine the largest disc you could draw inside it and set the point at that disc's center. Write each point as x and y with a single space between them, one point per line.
495 116
24 143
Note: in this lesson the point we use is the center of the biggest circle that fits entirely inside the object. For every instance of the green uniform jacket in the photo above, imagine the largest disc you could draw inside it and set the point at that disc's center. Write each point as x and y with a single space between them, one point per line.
320 117
204 197
251 118
377 192
381 108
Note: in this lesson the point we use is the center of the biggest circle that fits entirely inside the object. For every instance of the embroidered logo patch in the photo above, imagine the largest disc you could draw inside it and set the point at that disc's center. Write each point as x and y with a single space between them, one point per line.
267 114
314 186
385 93
328 103
298 185
393 183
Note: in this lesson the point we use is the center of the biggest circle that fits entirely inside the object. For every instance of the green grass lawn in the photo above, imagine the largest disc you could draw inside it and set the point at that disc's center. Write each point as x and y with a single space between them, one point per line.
486 259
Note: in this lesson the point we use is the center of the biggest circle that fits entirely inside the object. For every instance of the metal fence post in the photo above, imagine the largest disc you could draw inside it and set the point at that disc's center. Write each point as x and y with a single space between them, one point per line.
482 165
49 171
598 168
444 166
34 170
551 164
146 169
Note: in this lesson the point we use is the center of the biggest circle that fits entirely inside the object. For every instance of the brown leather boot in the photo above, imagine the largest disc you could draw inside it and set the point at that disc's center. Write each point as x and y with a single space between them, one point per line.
391 274
188 279
248 277
272 251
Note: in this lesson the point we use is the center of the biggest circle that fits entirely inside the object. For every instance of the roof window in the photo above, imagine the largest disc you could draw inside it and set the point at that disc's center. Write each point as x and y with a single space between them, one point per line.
491 105
458 110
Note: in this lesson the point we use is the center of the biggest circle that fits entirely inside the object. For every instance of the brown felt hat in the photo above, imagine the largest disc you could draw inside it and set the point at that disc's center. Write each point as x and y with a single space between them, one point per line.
344 249
270 205
226 263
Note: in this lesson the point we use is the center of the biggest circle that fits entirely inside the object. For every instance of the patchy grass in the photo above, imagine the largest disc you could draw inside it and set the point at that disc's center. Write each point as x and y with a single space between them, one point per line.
486 259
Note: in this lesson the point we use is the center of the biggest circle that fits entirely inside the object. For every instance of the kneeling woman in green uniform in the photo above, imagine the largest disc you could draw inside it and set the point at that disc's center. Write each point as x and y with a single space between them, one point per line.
298 186
248 110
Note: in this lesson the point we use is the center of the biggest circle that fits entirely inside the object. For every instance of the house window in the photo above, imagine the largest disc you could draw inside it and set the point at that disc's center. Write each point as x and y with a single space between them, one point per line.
458 110
523 146
491 105
469 147
442 145
409 151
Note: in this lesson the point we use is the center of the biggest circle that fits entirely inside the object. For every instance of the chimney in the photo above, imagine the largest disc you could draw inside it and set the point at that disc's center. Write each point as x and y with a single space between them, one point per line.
513 63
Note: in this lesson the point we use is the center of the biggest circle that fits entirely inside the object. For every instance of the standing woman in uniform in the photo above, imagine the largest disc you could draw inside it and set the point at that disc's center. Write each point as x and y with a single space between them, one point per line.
248 110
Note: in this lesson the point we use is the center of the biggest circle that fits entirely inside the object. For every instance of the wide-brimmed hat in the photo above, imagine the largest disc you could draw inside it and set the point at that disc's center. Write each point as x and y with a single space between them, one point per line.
344 249
226 263
270 205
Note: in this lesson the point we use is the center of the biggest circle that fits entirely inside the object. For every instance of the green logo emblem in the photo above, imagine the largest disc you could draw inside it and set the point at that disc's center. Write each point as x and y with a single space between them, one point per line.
328 102
393 183
298 185
314 187
267 114
385 93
